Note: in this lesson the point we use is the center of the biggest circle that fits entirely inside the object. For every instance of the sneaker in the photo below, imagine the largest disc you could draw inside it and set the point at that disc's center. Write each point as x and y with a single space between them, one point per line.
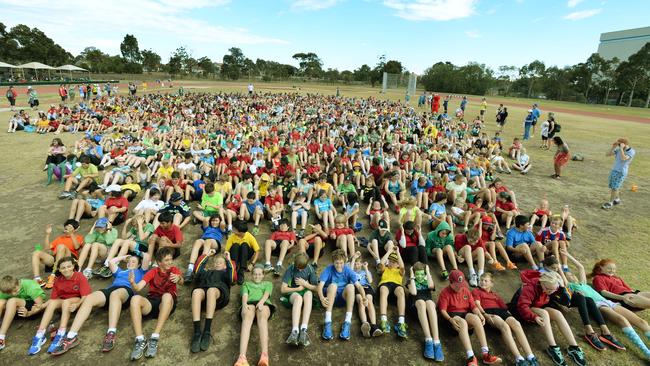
152 348
50 281
438 355
37 343
473 280
105 272
301 233
292 340
240 278
444 275
612 342
511 265
2 344
533 361
577 355
375 331
66 345
345 331
195 347
277 271
499 236
109 342
490 359
256 230
471 361
64 194
303 338
595 342
58 338
268 267
138 349
365 329
264 359
88 273
206 339
607 205
72 195
41 282
616 201
188 276
242 361
400 329
429 352
498 266
384 326
327 331
568 236
555 353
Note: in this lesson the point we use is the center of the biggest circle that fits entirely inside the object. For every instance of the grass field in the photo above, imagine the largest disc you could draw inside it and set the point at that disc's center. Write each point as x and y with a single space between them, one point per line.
621 234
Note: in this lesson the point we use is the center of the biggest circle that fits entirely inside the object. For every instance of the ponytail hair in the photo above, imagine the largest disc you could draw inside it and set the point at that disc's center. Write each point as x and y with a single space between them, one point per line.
598 267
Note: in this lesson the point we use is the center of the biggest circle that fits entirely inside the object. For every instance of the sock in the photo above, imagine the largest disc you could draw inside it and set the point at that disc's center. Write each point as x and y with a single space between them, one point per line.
384 318
71 334
378 261
36 278
634 337
518 358
114 330
470 353
230 227
294 330
472 272
485 350
207 325
197 326
428 339
348 317
60 332
106 263
40 333
400 320
480 273
190 267
328 317
279 263
139 338
530 356
155 335
647 334
303 327
436 341
268 263
535 268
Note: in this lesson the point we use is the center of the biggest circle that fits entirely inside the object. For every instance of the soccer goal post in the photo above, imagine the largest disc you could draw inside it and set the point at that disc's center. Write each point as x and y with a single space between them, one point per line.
399 81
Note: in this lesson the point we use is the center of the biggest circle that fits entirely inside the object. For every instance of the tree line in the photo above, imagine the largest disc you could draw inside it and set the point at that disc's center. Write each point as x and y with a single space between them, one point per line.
596 80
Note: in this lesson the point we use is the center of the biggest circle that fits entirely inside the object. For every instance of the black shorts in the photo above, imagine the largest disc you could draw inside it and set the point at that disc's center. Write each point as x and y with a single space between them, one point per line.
276 252
628 307
501 313
29 304
368 290
155 306
391 286
311 250
92 187
544 138
109 290
119 219
12 101
224 297
534 122
451 327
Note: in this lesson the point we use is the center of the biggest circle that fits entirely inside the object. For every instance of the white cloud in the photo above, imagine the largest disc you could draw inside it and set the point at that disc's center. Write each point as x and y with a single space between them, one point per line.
308 5
583 14
472 34
104 23
432 9
573 3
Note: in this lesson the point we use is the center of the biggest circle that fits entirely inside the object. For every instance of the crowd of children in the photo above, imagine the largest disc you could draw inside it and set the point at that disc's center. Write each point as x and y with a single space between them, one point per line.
148 167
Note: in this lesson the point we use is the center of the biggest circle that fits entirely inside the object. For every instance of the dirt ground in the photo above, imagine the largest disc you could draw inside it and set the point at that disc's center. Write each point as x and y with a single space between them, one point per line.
622 234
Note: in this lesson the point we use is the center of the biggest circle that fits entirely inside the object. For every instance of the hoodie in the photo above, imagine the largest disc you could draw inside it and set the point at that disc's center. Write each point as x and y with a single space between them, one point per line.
529 295
435 241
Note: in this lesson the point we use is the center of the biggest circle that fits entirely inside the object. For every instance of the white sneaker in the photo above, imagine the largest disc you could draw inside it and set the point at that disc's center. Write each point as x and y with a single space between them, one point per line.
473 280
88 273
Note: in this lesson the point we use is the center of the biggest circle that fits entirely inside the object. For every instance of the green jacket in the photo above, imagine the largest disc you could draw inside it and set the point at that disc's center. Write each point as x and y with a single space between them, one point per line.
435 241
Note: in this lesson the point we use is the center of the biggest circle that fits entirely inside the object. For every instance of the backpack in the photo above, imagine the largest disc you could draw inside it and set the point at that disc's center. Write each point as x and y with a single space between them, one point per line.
557 128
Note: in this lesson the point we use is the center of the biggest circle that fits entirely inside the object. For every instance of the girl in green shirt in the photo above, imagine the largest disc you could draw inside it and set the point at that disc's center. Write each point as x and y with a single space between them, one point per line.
256 304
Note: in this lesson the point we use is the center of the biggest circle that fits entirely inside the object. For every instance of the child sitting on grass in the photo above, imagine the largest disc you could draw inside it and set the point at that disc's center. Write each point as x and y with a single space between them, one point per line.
65 245
22 297
214 230
421 304
297 285
280 243
392 271
366 306
440 242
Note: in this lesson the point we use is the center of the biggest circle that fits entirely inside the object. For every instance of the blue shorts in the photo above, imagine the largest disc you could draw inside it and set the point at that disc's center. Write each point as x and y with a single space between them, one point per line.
616 180
339 300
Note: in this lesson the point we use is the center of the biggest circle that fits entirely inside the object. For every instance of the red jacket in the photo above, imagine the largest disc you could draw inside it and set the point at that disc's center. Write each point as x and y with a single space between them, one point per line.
531 295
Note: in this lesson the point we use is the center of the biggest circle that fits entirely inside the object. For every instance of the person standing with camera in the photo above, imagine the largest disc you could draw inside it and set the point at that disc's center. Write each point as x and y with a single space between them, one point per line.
623 154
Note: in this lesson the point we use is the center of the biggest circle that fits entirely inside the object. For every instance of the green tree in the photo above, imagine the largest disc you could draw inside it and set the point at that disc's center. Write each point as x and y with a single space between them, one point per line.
150 60
205 64
532 72
130 50
363 73
177 61
233 64
393 67
310 64
30 44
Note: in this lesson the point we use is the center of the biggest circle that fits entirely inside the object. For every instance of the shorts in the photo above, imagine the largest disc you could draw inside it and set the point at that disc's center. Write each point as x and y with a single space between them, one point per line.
561 159
311 250
501 313
155 306
411 309
109 290
224 297
29 304
482 112
271 308
391 286
616 180
455 314
286 299
607 304
368 290
12 102
534 122
544 137
276 251
119 219
628 307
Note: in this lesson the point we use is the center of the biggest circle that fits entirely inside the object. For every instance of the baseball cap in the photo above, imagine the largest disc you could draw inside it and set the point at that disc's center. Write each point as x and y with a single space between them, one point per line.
393 257
102 223
457 279
383 225
113 188
175 197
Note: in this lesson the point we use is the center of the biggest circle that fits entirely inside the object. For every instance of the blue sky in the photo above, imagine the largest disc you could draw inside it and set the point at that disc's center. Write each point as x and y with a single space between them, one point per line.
344 33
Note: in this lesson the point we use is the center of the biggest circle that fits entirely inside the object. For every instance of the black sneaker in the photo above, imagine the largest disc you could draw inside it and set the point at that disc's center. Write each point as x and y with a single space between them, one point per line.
196 343
555 353
206 339
152 348
187 279
594 341
577 355
277 271
375 331
138 349
240 277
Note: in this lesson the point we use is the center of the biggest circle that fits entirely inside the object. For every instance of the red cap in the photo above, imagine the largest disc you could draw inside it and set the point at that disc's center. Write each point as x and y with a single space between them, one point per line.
457 279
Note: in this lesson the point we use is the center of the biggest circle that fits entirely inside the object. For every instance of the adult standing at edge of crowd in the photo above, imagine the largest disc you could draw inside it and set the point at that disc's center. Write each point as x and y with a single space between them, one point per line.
623 154
12 94
250 88
435 104
536 114
561 156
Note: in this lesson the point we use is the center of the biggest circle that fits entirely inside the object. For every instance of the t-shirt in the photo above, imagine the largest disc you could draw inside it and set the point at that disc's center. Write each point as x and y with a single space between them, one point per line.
108 237
381 240
150 205
340 279
488 300
456 302
182 209
283 235
323 205
174 233
66 288
292 274
546 235
392 275
84 172
216 199
28 290
119 202
515 237
211 232
66 240
621 165
121 277
613 284
160 282
147 229
461 240
505 206
457 188
255 291
247 238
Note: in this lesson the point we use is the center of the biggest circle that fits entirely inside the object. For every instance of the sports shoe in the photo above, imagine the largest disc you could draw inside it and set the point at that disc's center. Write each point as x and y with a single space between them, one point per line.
499 236
327 331
471 361
511 265
293 338
264 359
438 355
384 326
109 342
206 339
188 276
152 348
105 272
58 338
277 271
498 266
345 331
595 342
533 361
195 347
138 349
375 331
37 343
88 273
268 267
50 281
473 280
64 194
429 352
303 338
365 329
72 195
490 359
66 345
256 230
577 355
242 361
400 329
444 275
616 201
611 342
2 344
607 206
41 282
555 353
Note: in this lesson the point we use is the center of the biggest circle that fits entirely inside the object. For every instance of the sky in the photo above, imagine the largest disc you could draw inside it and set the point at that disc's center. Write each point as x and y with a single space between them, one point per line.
344 33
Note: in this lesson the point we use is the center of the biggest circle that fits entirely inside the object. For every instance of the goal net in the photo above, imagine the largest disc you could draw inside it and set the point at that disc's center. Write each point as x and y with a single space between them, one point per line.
399 81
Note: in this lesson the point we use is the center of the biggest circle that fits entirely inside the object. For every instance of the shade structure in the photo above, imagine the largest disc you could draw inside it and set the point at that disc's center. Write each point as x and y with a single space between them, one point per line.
70 68
6 65
35 65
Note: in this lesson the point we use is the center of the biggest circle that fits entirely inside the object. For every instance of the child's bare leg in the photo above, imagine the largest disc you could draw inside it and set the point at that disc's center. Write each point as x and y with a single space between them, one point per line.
165 310
296 306
248 316
263 327
433 319
198 295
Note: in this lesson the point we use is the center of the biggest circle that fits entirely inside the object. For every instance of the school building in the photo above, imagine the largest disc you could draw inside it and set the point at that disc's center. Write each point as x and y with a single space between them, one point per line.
623 44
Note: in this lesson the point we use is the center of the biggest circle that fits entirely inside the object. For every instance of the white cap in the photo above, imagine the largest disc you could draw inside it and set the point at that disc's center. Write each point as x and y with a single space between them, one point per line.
113 188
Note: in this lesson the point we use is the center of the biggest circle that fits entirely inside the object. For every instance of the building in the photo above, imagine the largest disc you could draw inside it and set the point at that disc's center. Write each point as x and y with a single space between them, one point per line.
623 44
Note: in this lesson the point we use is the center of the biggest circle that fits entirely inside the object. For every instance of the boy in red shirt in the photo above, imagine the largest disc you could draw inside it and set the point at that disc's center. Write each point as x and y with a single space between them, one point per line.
160 302
167 234
471 247
279 244
456 305
116 207
505 209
